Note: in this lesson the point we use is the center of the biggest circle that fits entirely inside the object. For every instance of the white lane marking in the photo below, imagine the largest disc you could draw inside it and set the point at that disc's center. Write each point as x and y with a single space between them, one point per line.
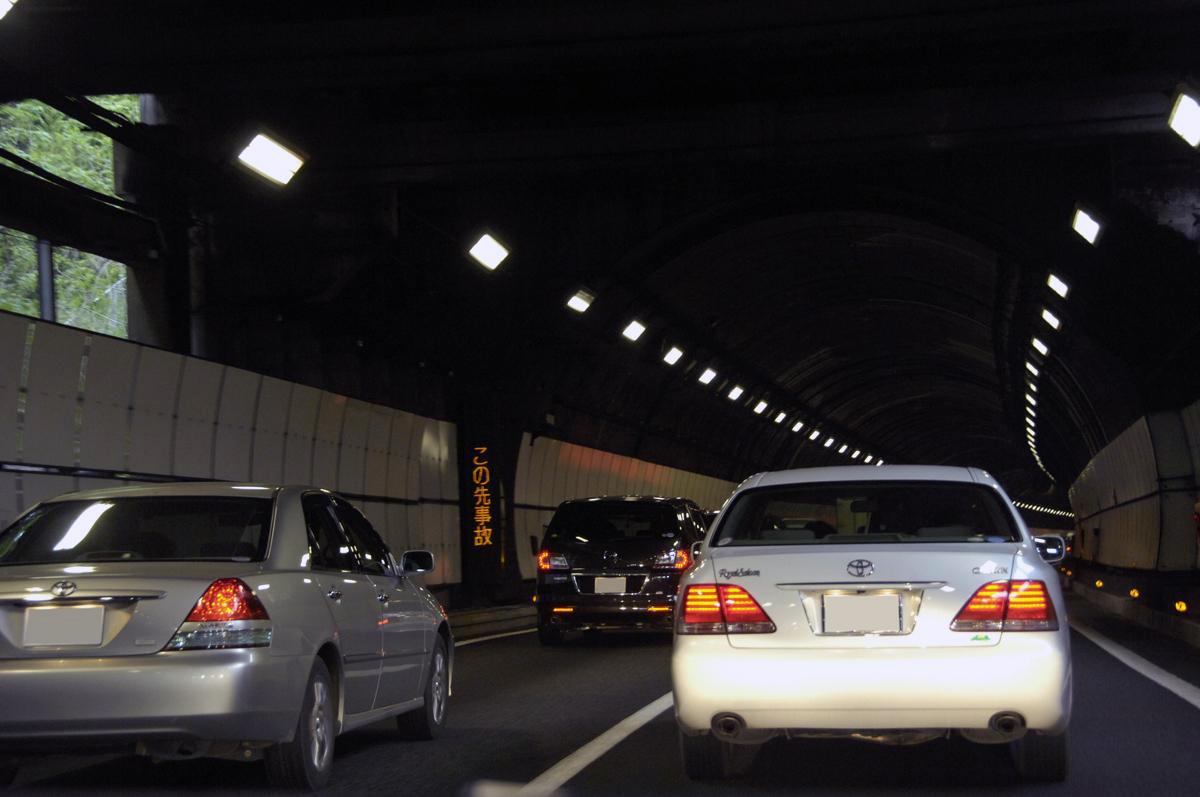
493 636
572 765
1166 680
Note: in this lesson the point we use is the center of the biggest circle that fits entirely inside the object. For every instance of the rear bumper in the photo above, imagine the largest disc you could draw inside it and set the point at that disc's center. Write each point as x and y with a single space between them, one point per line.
873 689
226 695
631 612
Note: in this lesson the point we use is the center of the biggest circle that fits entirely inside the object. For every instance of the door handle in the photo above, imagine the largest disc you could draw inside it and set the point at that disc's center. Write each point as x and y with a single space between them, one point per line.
384 597
334 594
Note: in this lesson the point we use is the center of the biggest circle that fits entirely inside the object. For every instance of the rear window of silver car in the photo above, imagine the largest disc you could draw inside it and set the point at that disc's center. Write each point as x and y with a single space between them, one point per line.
160 528
867 512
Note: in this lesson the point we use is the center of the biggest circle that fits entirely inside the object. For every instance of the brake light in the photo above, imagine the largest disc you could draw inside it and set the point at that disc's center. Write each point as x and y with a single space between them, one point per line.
722 609
227 599
552 561
674 559
1008 606
228 615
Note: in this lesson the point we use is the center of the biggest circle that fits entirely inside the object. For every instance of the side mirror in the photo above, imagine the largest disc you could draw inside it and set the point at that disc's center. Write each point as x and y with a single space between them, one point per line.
697 551
416 562
1051 548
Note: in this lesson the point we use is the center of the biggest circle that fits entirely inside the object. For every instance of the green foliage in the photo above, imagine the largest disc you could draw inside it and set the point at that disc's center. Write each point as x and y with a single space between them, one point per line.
90 290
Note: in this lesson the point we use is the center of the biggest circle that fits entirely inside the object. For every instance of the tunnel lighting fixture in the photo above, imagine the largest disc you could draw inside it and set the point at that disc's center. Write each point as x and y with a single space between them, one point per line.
797 426
1058 286
1032 386
781 417
867 459
828 442
1086 225
708 376
1184 119
1051 319
488 252
843 449
816 433
270 159
878 463
857 453
1042 348
581 301
736 393
1031 368
6 6
634 330
760 408
672 357
1029 399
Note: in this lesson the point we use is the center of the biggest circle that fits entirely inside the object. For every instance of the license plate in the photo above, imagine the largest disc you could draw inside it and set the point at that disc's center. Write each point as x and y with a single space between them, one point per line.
55 626
861 614
609 585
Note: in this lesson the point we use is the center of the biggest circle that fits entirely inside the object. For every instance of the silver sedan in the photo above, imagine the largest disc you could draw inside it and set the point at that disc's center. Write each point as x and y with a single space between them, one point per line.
234 621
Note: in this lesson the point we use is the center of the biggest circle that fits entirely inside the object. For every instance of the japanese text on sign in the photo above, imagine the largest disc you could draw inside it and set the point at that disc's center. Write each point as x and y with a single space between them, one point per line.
481 477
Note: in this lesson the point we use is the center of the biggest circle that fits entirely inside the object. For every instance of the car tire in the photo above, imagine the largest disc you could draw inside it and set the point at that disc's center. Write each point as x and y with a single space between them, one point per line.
706 757
306 762
8 771
1041 756
427 721
549 636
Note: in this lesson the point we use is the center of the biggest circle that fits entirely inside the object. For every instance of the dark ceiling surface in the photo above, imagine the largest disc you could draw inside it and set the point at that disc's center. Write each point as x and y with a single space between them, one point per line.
848 208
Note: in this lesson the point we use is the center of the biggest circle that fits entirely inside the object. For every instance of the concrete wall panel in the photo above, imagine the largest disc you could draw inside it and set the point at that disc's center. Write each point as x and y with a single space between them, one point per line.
195 423
108 391
14 330
151 433
270 430
235 425
53 395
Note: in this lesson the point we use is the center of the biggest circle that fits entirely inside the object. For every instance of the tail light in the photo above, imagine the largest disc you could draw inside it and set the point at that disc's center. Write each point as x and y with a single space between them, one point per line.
674 559
1008 606
228 615
552 561
721 609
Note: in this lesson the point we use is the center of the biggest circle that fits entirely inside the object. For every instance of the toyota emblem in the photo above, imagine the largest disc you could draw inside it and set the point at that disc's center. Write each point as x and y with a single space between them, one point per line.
860 568
62 589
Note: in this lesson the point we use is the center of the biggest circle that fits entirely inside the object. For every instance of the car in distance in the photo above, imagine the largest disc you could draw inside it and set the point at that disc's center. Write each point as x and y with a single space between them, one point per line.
894 604
235 621
614 564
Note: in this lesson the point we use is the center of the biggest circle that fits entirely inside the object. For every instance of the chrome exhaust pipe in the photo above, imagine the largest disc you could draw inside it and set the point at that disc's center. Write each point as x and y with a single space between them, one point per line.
728 727
1009 723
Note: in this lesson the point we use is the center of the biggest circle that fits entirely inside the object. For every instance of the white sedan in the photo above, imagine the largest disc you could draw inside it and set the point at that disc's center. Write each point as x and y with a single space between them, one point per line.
892 604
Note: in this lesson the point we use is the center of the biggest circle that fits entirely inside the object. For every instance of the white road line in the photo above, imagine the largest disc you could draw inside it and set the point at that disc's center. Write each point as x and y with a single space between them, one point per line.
1166 680
493 636
572 765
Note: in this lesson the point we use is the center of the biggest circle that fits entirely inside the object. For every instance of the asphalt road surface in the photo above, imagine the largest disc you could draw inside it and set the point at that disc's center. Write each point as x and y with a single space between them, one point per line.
519 709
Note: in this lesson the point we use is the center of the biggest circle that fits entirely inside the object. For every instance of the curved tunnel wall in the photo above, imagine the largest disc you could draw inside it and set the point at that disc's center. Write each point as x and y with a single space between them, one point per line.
551 471
1135 499
82 411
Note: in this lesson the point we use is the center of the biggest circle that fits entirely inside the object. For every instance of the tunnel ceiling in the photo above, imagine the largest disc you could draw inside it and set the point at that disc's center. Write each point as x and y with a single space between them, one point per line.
850 209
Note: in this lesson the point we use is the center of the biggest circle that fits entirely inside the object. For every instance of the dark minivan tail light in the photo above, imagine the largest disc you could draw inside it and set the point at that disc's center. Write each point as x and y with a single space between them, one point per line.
552 561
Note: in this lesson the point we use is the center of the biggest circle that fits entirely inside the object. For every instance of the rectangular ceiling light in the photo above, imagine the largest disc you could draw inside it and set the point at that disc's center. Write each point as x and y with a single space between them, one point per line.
634 330
1031 368
269 158
843 449
1184 119
708 376
6 6
1042 348
1032 386
488 252
797 426
815 434
828 442
672 357
1051 319
581 301
856 454
1030 411
760 408
781 417
1084 224
878 463
1058 286
1030 399
736 393
868 459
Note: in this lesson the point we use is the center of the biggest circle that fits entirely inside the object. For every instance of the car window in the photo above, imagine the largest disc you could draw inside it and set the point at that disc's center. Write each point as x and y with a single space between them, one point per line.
372 553
150 528
602 521
328 547
867 512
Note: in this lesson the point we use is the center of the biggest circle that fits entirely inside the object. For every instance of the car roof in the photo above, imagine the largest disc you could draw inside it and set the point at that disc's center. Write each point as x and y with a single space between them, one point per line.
659 499
871 473
180 489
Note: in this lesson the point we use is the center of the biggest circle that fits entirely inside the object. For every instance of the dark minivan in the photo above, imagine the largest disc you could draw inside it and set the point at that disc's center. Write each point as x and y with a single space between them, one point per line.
614 563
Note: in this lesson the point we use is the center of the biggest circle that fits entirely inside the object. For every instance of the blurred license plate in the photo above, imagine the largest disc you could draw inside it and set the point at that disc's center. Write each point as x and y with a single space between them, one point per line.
63 625
861 614
609 585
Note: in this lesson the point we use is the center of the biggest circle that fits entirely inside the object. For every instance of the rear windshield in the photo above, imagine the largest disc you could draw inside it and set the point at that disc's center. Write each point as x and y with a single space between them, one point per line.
602 521
821 514
150 529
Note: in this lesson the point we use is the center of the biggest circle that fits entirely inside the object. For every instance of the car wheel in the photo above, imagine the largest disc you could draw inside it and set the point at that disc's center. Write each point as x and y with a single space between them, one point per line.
1040 756
306 761
427 721
8 771
549 636
706 757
